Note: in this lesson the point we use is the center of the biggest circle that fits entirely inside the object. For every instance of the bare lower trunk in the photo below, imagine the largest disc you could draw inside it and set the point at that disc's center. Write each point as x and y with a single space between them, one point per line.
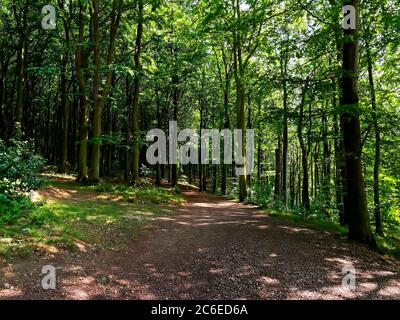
304 152
278 167
94 174
285 146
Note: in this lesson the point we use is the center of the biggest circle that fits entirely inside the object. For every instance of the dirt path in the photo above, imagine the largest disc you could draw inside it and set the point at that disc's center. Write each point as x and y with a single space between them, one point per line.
212 248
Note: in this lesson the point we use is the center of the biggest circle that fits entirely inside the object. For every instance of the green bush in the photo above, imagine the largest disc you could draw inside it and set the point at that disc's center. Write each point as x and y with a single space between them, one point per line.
19 168
262 194
19 174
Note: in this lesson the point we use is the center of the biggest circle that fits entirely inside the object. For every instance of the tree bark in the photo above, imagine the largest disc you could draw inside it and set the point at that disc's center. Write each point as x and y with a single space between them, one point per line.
64 101
81 63
94 174
136 93
305 199
355 206
285 143
377 203
100 99
224 167
21 67
240 97
175 103
278 172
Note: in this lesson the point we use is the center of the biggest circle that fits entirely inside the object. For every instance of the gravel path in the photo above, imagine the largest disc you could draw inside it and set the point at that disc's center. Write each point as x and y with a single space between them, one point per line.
212 248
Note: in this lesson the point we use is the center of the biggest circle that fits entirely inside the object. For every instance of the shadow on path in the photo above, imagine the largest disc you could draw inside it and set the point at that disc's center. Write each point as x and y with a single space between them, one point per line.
212 248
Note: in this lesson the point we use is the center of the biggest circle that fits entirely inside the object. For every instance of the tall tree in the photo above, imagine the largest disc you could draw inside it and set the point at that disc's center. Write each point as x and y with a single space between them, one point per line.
64 88
22 16
136 93
304 150
100 95
82 57
377 161
355 206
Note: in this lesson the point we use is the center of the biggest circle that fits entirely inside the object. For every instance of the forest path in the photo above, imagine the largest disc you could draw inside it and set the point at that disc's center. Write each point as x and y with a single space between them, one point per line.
212 248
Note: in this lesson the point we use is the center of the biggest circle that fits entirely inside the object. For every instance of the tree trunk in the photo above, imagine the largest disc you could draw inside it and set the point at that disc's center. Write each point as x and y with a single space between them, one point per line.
81 64
355 206
201 167
94 174
224 167
285 144
64 104
339 165
326 164
241 125
136 93
175 103
65 117
240 96
3 100
305 198
278 167
377 203
21 68
99 100
159 123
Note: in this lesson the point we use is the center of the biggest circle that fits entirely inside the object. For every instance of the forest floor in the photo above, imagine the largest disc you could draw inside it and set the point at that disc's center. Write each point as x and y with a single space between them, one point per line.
206 247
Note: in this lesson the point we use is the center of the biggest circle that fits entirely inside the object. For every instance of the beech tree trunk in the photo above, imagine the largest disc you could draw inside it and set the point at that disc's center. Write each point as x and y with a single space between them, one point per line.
278 167
64 100
21 68
81 65
240 97
377 202
305 198
355 206
99 98
136 93
94 174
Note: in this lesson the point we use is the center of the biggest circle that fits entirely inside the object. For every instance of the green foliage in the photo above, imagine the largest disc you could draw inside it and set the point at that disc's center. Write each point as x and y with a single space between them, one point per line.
19 168
19 174
390 245
20 209
263 195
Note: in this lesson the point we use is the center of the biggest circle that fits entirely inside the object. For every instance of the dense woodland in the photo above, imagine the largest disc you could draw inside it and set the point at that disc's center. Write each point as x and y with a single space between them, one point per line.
324 101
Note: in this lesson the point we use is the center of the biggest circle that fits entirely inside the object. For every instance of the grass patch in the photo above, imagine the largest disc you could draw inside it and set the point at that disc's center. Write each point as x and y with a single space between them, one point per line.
20 232
146 193
310 222
389 244
111 216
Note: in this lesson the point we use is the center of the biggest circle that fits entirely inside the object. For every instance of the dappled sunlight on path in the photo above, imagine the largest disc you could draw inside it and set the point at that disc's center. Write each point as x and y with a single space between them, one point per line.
212 248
